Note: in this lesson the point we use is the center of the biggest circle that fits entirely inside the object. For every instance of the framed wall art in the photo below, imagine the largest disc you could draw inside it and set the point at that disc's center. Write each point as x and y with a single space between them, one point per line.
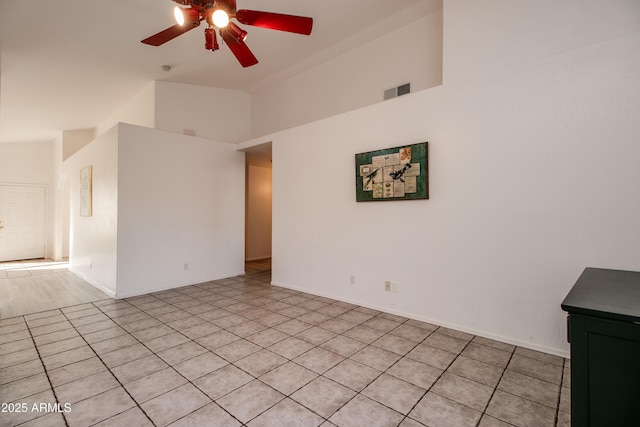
399 173
85 191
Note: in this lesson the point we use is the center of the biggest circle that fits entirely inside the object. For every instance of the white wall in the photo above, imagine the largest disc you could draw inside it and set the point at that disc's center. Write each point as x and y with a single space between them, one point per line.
32 163
74 140
533 177
139 110
409 53
258 213
212 113
93 240
180 201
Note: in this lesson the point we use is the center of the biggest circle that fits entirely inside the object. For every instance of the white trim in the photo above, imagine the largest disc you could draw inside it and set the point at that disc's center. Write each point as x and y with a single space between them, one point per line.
436 322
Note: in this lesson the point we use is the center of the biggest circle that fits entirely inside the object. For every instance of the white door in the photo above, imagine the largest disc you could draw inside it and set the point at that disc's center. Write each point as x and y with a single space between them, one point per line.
22 222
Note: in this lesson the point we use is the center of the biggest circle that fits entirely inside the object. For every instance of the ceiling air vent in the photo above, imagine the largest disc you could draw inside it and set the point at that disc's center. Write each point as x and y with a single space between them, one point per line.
397 91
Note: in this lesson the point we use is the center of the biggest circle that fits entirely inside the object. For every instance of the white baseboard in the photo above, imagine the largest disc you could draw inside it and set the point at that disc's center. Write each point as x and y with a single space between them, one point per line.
484 334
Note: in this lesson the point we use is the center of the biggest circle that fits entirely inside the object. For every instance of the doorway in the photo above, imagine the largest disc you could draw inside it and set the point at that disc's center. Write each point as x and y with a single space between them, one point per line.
258 205
22 222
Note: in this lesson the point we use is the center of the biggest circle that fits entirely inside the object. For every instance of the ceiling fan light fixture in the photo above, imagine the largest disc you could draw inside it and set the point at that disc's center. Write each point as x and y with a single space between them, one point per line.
220 18
185 15
237 32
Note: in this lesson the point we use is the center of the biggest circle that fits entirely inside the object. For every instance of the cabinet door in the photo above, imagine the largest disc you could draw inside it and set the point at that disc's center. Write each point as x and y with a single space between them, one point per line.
605 372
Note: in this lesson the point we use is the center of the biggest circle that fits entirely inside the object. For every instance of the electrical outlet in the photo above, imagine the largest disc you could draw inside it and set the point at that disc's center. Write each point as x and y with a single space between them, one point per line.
186 266
387 286
352 279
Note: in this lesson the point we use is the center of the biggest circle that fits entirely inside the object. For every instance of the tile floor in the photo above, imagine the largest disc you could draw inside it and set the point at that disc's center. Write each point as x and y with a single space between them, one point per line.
241 352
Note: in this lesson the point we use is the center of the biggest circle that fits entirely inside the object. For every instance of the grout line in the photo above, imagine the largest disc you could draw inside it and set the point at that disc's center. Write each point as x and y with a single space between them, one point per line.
243 290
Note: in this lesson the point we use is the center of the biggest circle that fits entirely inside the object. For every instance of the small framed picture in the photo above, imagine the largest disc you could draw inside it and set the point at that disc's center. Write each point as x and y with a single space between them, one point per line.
85 191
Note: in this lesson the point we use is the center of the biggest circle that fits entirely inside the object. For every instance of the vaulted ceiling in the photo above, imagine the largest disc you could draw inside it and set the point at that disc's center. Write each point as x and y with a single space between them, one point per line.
68 64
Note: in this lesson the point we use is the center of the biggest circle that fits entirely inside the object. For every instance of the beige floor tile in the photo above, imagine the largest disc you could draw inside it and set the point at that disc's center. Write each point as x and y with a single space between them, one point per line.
149 334
113 344
125 355
519 411
462 390
261 362
18 357
20 371
199 331
364 412
381 324
217 340
138 368
166 341
316 335
75 371
267 337
394 393
395 344
131 417
13 346
104 334
29 409
498 345
86 387
15 390
352 374
237 350
200 365
99 408
432 356
323 396
376 357
204 417
54 419
412 333
291 347
488 355
414 372
250 400
182 352
344 346
319 360
446 342
175 404
536 368
146 388
288 378
530 388
222 381
336 325
477 371
287 413
60 346
293 326
68 357
55 337
437 411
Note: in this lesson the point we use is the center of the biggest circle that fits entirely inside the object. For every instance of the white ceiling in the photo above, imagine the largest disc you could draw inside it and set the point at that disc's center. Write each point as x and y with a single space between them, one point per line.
69 64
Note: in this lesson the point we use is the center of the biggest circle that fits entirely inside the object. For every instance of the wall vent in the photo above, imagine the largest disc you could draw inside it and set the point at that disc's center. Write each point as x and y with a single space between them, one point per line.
397 91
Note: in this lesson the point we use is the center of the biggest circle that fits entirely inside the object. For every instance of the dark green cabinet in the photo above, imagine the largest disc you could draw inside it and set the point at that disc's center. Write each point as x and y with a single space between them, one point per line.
604 332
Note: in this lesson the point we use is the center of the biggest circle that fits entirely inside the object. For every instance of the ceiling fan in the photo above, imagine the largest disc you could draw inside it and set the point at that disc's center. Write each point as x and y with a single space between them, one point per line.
217 14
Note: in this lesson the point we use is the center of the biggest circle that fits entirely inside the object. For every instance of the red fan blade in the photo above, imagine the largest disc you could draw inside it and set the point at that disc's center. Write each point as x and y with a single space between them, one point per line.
239 49
276 21
169 34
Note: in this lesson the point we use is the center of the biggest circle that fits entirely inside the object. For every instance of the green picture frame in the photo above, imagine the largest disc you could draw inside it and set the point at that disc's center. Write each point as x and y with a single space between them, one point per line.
398 173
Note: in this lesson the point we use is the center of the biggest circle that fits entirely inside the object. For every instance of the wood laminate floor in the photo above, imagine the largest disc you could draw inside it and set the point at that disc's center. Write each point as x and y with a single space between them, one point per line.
33 286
